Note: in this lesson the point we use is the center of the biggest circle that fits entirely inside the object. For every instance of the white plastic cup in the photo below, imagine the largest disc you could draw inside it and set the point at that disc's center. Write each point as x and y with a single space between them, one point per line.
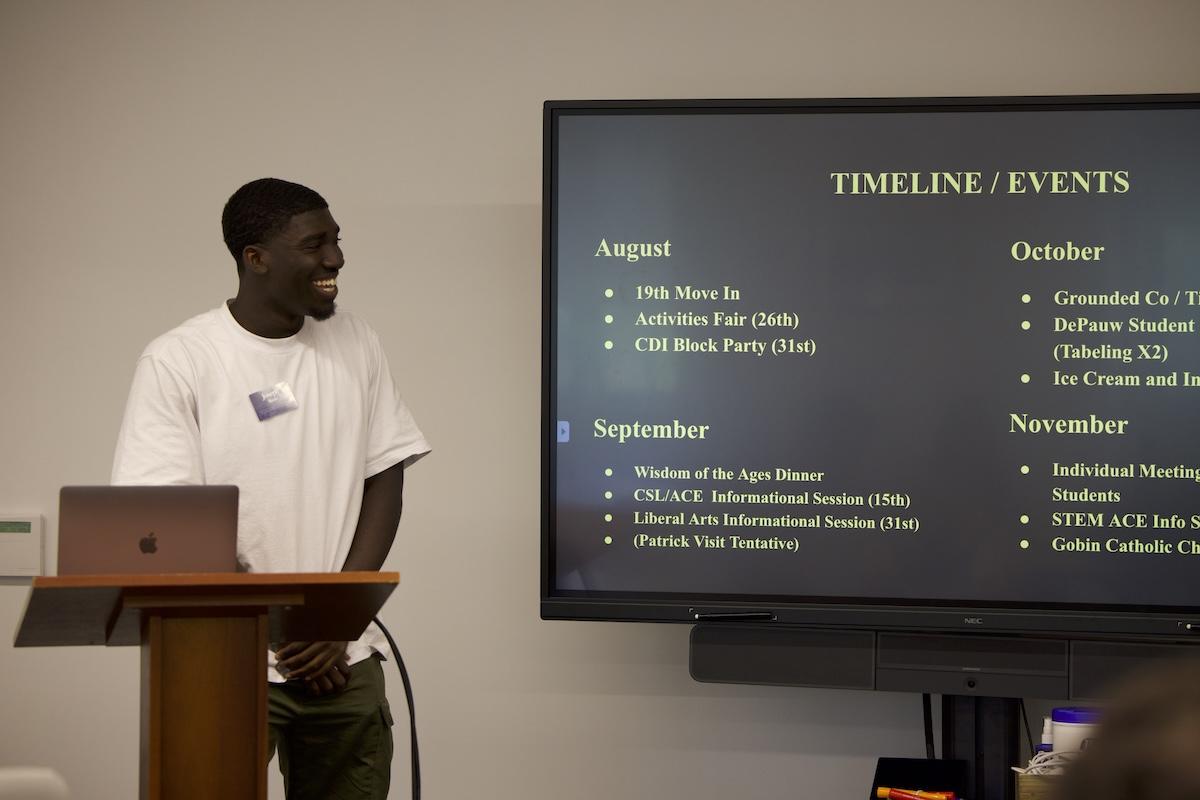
1072 727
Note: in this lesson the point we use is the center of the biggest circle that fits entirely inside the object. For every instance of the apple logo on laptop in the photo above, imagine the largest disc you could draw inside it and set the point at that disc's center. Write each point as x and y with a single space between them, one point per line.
148 544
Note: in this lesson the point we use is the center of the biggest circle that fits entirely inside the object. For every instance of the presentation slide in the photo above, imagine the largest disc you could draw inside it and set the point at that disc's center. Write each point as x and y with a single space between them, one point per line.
948 355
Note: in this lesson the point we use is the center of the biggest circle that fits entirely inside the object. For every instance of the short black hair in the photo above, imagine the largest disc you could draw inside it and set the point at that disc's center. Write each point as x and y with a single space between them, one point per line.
261 209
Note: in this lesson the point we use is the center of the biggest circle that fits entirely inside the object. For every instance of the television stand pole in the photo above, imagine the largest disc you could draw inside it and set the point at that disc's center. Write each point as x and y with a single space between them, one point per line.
984 732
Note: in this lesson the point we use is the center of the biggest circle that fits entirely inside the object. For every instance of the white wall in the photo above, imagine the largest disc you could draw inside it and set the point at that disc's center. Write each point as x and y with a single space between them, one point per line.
126 125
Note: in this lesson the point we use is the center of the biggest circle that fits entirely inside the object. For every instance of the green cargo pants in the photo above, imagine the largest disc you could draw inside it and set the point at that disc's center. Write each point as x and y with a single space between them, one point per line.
334 747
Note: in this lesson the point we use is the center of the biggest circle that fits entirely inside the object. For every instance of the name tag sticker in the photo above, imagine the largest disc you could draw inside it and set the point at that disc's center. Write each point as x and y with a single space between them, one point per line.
274 401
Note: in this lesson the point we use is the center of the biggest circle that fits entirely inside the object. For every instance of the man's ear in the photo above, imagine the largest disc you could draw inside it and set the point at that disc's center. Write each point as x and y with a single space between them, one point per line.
256 259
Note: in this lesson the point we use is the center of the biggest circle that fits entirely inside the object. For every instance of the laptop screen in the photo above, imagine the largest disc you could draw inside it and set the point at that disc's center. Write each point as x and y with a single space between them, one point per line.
147 529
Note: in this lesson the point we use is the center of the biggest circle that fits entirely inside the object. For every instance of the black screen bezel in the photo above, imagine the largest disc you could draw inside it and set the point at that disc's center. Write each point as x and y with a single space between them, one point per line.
1123 621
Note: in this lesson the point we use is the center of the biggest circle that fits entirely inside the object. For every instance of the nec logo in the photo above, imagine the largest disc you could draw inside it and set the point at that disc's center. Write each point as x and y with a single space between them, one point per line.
973 620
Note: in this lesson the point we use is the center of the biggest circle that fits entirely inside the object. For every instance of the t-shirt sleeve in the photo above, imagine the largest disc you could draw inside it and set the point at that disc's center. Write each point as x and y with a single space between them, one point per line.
393 436
159 442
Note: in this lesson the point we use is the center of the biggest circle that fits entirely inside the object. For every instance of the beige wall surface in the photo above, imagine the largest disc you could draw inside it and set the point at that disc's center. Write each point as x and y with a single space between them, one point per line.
124 127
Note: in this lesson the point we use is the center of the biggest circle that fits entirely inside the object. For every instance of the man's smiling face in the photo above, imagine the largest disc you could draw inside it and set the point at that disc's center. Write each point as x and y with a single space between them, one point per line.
303 262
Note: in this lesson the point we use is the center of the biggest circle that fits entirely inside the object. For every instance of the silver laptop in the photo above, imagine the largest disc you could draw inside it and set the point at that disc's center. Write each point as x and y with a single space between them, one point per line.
105 530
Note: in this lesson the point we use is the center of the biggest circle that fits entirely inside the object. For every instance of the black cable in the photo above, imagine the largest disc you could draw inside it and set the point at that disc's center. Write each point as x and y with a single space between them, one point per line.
1028 731
927 707
412 714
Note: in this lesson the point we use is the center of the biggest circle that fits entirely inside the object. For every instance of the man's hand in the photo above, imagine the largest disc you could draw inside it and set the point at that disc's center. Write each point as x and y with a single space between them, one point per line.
321 665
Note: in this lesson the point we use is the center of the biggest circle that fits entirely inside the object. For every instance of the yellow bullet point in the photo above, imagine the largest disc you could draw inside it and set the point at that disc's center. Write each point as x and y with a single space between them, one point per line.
1024 544
1025 325
608 292
608 344
608 540
1025 298
1025 378
1024 519
1024 469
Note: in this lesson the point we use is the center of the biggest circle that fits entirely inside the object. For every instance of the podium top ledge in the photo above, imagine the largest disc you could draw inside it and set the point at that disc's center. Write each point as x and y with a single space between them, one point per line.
109 609
214 580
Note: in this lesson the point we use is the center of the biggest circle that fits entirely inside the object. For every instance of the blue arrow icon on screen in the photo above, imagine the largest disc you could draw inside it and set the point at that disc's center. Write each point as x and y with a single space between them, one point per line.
564 431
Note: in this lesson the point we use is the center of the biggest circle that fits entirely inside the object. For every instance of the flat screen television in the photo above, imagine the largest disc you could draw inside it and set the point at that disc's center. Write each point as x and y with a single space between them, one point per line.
897 365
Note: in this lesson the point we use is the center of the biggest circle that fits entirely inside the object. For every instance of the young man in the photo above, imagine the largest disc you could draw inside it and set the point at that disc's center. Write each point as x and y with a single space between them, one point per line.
275 393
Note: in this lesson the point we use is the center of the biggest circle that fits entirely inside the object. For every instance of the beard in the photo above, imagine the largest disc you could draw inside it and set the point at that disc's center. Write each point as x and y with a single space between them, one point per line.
322 314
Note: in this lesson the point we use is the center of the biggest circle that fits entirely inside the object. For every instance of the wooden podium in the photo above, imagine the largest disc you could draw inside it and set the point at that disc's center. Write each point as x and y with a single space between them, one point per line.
204 641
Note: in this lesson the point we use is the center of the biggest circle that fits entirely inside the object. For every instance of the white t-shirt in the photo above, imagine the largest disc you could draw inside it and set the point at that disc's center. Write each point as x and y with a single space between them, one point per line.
190 420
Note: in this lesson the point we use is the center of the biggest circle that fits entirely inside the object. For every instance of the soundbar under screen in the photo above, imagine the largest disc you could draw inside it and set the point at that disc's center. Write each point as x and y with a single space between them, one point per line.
906 353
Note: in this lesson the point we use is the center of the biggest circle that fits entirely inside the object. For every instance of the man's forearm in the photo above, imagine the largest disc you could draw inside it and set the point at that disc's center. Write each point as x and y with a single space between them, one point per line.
383 500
